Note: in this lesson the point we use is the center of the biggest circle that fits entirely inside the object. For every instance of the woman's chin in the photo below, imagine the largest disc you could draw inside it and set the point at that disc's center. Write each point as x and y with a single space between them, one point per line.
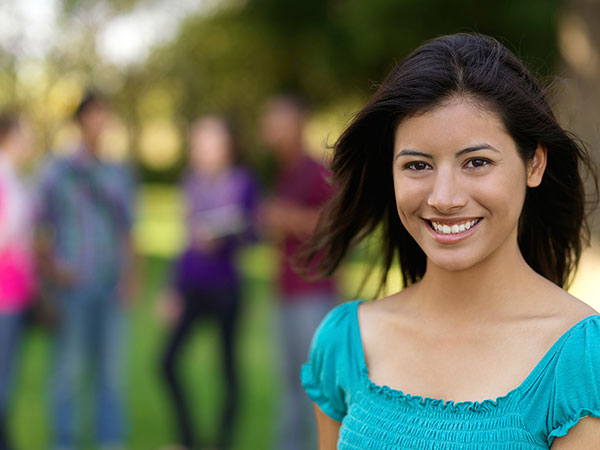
452 264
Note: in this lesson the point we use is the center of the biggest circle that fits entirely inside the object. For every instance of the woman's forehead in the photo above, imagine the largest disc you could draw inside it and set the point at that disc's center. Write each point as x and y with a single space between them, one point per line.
458 122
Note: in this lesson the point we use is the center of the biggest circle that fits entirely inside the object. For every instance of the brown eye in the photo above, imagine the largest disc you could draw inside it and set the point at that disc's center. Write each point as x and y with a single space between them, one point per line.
417 166
477 163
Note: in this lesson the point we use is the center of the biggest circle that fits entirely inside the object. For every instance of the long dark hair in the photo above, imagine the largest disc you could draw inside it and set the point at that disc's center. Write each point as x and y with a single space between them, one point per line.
552 227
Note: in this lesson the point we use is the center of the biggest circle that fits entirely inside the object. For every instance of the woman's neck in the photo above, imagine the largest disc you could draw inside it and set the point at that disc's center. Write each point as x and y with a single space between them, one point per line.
494 286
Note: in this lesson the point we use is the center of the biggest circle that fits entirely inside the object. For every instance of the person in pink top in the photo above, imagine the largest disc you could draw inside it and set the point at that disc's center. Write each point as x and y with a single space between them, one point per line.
289 217
17 279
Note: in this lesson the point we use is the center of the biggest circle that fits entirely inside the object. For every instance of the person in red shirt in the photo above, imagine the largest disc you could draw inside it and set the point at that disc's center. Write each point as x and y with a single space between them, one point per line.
290 216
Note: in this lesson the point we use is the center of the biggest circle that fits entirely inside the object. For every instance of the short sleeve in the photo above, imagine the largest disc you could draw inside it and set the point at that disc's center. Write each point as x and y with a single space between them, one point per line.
577 379
331 369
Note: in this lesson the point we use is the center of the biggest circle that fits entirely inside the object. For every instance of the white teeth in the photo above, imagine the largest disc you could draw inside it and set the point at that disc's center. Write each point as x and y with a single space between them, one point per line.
453 229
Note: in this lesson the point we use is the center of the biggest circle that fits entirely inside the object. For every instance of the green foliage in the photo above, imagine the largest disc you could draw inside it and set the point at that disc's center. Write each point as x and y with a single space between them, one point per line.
330 49
73 6
327 50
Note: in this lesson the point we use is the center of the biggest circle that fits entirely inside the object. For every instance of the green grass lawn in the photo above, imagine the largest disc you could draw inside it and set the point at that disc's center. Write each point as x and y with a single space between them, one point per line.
150 418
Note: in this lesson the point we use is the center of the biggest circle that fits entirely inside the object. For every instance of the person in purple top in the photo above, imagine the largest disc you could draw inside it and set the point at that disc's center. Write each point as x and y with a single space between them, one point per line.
290 216
220 199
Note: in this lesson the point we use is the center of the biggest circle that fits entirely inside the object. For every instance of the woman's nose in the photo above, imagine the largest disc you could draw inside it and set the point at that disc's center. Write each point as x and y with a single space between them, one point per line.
446 193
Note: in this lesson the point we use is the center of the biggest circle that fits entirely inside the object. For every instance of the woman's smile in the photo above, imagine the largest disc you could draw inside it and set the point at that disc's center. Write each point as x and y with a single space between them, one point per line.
452 231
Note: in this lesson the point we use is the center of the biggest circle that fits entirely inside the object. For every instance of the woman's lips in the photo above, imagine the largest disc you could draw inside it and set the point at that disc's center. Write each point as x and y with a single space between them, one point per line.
447 231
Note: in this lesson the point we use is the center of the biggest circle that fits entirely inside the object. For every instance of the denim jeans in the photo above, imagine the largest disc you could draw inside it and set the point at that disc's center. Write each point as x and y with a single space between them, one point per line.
10 333
89 341
298 320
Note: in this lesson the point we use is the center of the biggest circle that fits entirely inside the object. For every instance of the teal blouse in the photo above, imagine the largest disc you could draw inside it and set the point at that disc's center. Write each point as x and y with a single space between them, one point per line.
563 387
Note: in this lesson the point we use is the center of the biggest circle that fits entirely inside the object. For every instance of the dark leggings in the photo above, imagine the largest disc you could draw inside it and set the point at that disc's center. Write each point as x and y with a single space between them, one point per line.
4 445
222 304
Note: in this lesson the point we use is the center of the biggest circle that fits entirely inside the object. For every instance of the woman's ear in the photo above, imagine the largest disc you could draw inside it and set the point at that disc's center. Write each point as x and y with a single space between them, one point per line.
537 166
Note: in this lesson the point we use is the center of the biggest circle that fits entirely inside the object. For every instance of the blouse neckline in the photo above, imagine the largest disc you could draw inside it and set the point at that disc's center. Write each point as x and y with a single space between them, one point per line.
466 405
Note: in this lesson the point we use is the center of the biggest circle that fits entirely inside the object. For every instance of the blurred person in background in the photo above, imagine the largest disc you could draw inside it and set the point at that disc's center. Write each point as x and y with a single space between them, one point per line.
85 216
17 275
219 197
290 217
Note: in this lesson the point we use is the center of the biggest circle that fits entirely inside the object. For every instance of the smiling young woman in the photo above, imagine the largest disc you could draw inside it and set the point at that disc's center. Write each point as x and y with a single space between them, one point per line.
479 192
460 184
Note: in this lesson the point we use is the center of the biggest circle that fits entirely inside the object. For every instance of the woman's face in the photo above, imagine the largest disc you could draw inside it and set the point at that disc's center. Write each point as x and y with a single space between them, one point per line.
460 183
210 146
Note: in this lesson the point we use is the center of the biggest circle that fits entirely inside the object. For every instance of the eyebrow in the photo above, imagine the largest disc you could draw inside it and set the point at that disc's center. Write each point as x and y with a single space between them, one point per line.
474 148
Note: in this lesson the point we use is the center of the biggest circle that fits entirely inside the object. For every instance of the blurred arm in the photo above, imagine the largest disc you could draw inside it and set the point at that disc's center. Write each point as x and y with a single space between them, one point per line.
124 203
45 214
5 217
328 429
131 277
285 219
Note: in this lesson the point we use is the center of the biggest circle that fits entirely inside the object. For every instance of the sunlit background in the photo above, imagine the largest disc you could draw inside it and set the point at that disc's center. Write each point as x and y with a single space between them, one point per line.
164 62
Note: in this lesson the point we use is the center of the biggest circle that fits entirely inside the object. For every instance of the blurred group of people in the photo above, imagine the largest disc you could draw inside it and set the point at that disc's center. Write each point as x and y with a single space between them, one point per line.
68 240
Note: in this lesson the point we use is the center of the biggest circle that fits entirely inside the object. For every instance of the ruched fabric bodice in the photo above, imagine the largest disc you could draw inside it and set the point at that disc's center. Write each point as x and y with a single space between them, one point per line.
562 388
384 419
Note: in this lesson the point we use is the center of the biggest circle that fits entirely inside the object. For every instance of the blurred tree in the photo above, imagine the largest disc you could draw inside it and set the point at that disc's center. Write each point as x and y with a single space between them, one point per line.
328 50
579 94
232 54
73 7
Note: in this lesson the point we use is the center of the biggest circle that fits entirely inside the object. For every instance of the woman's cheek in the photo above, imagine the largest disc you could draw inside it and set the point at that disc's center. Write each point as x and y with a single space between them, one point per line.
408 201
499 196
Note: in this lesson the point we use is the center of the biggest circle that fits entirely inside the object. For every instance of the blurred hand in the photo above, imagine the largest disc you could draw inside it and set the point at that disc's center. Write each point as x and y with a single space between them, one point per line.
129 289
62 275
204 240
207 246
131 279
49 265
273 217
282 219
169 307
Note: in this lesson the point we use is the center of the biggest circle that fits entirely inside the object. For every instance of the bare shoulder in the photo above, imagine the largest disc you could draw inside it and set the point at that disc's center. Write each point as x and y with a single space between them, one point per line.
385 319
568 307
386 307
560 309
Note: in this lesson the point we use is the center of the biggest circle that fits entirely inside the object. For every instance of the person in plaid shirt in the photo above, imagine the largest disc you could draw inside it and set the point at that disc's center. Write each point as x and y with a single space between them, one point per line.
85 216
